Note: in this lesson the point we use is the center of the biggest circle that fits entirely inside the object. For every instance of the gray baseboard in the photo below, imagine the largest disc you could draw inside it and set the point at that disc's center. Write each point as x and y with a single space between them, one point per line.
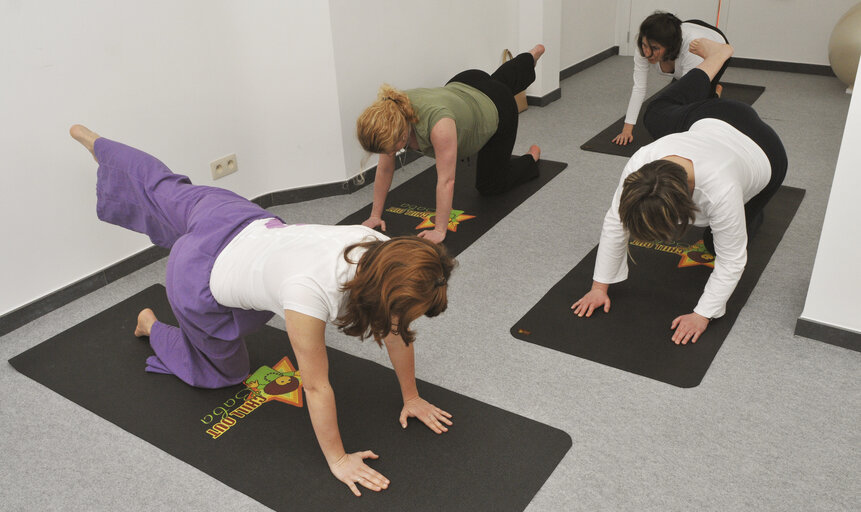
543 101
775 65
591 61
44 305
828 334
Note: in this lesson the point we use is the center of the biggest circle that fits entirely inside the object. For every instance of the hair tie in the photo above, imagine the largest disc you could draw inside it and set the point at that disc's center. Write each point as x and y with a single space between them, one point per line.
440 282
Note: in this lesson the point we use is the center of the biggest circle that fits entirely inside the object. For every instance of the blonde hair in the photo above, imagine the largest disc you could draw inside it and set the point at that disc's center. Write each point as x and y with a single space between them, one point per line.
383 123
656 203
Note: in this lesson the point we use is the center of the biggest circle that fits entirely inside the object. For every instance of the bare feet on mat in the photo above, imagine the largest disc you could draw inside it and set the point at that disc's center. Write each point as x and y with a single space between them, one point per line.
85 136
535 151
537 52
145 320
718 90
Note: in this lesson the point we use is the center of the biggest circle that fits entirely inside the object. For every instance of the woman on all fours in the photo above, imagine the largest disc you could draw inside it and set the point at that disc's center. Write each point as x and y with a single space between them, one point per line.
233 265
474 113
663 42
715 164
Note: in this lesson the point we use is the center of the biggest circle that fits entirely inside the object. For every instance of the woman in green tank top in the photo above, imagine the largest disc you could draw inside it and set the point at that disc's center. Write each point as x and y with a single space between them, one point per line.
473 114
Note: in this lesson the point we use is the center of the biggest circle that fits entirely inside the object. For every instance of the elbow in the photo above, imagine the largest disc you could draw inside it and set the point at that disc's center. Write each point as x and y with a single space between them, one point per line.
316 388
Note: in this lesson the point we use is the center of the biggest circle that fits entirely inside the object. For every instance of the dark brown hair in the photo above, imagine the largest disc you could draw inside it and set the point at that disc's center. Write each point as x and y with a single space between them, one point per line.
383 123
396 282
662 28
656 203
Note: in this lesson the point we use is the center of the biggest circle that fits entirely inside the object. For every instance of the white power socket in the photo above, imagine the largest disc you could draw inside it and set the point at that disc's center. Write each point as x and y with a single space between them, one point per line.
224 166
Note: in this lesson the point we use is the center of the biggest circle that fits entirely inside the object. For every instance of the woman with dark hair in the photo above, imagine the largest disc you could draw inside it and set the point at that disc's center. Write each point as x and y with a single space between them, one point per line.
663 42
473 114
715 164
232 266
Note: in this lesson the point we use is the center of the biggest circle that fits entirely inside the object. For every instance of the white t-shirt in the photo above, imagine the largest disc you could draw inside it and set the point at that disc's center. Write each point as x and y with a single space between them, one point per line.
685 62
299 267
729 170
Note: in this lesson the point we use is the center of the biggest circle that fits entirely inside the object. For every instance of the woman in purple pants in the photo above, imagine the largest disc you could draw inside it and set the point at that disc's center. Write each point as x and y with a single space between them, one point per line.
233 265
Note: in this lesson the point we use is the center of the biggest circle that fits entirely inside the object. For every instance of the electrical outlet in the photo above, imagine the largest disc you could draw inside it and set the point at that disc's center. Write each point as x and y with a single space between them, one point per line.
224 166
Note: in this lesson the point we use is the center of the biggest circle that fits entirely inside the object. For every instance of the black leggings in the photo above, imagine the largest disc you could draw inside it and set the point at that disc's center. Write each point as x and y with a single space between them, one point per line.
725 64
687 101
496 171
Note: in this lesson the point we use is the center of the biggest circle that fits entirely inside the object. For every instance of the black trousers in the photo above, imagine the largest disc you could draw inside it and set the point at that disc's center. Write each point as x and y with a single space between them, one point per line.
496 171
725 64
687 100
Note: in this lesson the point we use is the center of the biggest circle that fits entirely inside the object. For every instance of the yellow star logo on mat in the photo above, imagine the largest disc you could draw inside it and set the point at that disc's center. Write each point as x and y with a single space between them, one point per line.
455 218
697 254
282 383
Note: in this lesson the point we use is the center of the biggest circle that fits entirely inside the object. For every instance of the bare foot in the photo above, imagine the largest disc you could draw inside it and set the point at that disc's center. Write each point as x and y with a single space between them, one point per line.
145 320
85 136
535 151
718 90
706 48
537 52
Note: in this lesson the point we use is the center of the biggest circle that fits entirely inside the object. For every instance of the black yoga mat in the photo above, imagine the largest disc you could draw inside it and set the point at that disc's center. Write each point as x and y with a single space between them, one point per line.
412 202
602 143
666 281
489 460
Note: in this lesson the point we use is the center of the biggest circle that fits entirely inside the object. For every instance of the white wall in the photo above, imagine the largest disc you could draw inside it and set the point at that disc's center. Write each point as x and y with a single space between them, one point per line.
783 30
588 28
187 81
835 284
410 44
540 21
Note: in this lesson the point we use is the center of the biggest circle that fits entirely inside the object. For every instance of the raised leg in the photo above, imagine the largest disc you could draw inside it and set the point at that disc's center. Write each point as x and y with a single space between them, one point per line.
714 55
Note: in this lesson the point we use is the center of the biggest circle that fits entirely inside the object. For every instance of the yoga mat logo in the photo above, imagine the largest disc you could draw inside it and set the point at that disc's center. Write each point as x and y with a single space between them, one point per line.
282 383
691 255
428 215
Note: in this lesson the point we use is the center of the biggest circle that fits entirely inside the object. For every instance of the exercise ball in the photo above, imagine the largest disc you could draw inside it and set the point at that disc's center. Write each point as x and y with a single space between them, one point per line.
844 47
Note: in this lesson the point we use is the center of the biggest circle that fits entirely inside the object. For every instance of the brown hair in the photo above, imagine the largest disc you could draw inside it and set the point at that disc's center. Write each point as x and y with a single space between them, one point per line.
396 282
382 124
656 203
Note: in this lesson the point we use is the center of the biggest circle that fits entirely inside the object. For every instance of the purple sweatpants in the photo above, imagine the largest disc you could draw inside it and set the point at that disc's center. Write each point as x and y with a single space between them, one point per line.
138 192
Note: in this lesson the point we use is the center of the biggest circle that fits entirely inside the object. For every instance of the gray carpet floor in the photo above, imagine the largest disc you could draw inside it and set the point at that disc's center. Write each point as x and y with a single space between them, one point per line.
773 426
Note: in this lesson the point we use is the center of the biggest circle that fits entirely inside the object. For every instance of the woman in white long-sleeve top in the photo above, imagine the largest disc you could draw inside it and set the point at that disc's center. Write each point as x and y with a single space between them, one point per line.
663 42
715 164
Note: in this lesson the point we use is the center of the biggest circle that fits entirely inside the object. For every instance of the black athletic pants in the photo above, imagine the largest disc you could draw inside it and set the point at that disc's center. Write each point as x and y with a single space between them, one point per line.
687 100
725 64
496 171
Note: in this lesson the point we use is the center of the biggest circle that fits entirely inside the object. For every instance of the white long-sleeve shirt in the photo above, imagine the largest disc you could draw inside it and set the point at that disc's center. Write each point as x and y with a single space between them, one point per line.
729 170
685 62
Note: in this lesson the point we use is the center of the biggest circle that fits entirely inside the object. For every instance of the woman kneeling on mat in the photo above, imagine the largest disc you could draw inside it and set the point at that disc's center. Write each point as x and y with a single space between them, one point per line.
233 265
473 113
664 41
715 163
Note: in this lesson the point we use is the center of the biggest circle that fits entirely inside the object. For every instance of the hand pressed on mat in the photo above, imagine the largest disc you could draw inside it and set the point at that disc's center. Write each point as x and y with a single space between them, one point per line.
596 298
427 413
688 328
351 469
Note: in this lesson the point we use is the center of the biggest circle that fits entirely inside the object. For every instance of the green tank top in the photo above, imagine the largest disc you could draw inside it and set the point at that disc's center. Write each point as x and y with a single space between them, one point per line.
474 115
